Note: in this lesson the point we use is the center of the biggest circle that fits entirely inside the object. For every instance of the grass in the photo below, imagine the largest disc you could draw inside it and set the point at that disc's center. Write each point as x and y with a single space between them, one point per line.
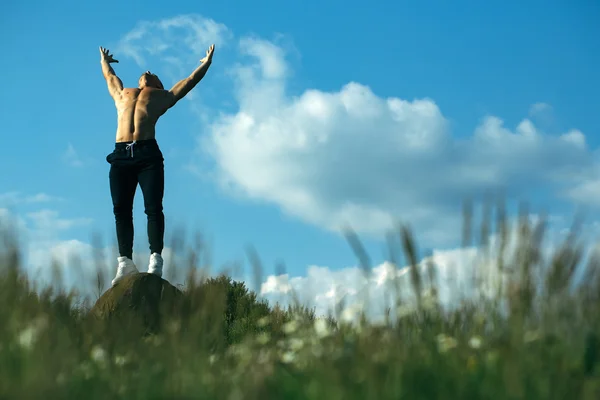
536 337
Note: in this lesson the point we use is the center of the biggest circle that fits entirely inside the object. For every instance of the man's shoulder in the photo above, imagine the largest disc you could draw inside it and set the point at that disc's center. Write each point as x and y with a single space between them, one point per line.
155 91
131 91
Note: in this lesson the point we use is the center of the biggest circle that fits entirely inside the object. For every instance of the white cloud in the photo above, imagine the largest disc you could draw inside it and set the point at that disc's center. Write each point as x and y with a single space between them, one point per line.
269 57
276 284
587 192
352 157
458 274
49 222
543 115
10 199
38 236
41 198
324 289
72 158
44 238
177 41
539 108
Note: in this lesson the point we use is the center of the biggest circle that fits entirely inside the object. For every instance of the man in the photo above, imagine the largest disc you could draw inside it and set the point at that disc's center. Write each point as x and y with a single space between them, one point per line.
137 159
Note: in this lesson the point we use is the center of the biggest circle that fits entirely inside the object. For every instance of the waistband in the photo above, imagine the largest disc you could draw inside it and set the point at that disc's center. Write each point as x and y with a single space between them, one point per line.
136 143
129 146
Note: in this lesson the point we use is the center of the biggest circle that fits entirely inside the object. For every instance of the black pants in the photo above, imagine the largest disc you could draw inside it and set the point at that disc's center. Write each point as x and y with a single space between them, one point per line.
141 162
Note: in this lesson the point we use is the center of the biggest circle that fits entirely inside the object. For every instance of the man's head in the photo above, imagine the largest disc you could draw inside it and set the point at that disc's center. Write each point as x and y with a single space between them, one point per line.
148 79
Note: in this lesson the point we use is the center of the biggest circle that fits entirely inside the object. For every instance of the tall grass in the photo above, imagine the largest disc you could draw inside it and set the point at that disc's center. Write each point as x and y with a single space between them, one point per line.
534 335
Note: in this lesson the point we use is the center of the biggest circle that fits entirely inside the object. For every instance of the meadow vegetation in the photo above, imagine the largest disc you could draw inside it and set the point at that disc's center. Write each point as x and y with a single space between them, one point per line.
536 337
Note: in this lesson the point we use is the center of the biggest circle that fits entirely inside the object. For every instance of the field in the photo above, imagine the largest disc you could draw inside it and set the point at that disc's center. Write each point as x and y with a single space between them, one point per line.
536 338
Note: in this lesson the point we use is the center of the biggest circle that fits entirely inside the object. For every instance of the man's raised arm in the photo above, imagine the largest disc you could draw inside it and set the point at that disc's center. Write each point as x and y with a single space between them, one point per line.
184 86
115 86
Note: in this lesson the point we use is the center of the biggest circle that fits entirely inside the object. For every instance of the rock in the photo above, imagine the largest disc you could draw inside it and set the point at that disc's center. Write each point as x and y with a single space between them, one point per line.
138 299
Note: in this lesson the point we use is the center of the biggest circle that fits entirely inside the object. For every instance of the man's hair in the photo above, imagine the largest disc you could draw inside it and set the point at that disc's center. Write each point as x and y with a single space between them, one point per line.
155 77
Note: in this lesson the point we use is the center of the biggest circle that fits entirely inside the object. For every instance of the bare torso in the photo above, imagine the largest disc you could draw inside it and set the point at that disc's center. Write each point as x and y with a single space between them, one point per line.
138 110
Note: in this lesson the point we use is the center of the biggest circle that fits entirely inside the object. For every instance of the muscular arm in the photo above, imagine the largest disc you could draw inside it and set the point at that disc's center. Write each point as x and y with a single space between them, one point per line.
115 86
184 86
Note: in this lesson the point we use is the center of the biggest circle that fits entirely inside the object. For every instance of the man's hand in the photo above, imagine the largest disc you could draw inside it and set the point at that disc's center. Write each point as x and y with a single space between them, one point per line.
115 86
209 54
104 54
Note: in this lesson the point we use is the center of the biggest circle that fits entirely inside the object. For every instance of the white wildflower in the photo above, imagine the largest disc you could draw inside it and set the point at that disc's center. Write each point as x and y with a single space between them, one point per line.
296 344
288 357
264 321
322 328
263 338
98 355
349 314
27 337
291 327
475 342
445 343
120 360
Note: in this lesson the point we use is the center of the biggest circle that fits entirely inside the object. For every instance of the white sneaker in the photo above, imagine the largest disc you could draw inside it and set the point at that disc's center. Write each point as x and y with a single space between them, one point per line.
156 264
126 267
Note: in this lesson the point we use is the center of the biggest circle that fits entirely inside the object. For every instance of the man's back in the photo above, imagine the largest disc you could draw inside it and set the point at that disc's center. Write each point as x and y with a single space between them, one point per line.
138 110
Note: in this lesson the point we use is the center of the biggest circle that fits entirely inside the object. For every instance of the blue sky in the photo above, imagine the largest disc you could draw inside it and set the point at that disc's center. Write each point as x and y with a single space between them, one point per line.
312 115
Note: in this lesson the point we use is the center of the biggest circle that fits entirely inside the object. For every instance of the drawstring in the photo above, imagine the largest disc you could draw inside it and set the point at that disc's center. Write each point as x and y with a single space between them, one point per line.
130 146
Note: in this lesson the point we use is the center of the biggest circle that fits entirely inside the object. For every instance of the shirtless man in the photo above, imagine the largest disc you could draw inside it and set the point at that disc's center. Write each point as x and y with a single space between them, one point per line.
137 157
